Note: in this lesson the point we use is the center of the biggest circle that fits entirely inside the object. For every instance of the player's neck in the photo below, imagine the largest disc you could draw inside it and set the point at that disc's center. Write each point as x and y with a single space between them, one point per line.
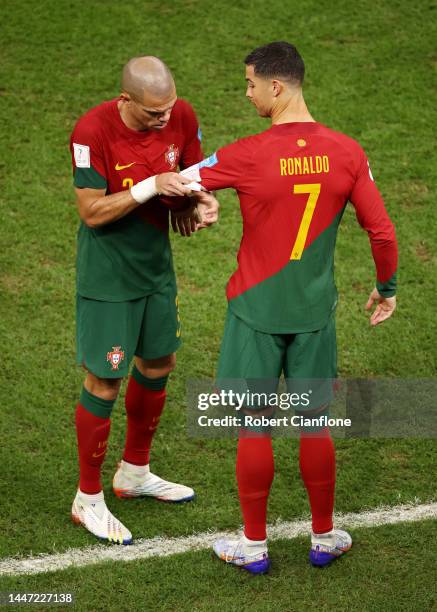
292 117
127 119
291 109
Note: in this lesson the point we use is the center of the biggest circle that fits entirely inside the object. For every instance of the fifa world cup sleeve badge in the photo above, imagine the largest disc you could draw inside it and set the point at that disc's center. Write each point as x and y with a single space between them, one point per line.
172 156
115 357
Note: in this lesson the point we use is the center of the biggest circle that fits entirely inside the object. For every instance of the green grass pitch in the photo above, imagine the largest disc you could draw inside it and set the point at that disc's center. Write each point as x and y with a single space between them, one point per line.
370 73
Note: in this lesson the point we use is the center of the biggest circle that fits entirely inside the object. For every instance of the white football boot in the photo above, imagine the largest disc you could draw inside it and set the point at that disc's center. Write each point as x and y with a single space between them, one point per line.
246 554
92 512
327 547
138 481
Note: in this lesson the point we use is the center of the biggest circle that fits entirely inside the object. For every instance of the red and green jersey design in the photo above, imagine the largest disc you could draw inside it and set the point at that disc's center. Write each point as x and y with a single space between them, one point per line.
293 182
131 257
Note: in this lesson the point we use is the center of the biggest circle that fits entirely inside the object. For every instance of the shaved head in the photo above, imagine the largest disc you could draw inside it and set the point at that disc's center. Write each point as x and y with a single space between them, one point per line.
147 77
148 94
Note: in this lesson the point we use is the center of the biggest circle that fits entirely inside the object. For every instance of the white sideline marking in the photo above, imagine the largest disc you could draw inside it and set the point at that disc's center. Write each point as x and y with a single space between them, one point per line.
164 547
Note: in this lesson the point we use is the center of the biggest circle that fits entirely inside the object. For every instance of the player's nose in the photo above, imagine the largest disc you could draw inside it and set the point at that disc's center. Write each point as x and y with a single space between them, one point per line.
165 118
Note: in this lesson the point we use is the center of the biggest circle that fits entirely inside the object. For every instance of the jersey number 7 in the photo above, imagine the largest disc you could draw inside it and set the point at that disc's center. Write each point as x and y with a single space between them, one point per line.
313 191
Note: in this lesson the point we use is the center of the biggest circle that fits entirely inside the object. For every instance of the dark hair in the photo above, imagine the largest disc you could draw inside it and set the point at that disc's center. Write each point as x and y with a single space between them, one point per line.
277 59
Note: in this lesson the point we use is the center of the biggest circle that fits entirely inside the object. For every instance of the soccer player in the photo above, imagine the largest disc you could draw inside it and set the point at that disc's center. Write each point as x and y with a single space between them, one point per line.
125 153
293 182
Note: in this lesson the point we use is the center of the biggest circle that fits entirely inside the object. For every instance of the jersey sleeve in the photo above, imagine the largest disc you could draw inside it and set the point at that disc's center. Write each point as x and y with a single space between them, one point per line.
224 168
87 157
373 217
192 152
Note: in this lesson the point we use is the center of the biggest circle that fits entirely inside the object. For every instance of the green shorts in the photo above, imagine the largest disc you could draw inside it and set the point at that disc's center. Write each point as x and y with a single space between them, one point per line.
109 334
253 360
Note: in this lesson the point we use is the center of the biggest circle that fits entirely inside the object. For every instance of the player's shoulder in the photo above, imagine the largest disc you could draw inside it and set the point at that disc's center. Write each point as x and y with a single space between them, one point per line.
93 121
183 119
247 145
182 109
341 140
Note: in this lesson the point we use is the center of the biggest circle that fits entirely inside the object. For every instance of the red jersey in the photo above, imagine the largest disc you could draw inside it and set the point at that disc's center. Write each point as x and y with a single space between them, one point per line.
293 182
131 257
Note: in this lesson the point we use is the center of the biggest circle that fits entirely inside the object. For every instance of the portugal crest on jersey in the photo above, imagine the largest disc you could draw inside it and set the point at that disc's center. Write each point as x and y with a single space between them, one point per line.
171 156
115 357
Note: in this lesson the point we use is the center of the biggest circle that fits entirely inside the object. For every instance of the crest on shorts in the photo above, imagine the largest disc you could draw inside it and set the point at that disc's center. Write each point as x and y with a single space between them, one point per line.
171 156
115 357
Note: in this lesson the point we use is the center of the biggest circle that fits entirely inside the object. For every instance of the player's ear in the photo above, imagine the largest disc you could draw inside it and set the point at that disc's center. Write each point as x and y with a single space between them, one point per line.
125 96
276 87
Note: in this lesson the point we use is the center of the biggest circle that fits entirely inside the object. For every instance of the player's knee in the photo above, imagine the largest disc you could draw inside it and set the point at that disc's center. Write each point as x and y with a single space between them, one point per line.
171 363
156 368
104 388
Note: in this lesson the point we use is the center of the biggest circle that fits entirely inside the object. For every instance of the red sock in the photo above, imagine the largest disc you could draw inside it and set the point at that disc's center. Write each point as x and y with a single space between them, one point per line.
143 409
317 467
92 441
255 470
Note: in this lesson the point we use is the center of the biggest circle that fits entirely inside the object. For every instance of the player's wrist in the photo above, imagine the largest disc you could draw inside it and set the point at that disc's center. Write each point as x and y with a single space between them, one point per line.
144 190
385 291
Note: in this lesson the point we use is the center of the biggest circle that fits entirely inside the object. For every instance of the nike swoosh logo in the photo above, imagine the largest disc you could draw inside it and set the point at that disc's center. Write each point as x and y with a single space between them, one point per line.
118 167
99 454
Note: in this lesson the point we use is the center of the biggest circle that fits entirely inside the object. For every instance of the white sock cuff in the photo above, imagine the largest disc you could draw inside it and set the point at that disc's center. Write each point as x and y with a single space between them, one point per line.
327 538
141 470
92 498
327 534
254 543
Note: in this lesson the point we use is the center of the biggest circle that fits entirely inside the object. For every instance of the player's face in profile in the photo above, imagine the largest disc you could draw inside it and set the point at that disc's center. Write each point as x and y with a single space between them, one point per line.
259 92
152 113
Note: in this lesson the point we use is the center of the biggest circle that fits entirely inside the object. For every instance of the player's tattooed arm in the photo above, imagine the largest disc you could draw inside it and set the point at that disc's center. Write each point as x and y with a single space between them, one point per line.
96 208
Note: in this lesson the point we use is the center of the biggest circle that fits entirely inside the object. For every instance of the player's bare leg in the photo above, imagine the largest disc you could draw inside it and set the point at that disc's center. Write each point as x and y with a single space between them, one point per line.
145 399
105 388
93 426
156 368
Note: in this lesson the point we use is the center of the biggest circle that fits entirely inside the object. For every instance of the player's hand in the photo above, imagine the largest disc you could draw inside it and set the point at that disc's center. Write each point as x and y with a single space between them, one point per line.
185 222
172 184
384 309
207 207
